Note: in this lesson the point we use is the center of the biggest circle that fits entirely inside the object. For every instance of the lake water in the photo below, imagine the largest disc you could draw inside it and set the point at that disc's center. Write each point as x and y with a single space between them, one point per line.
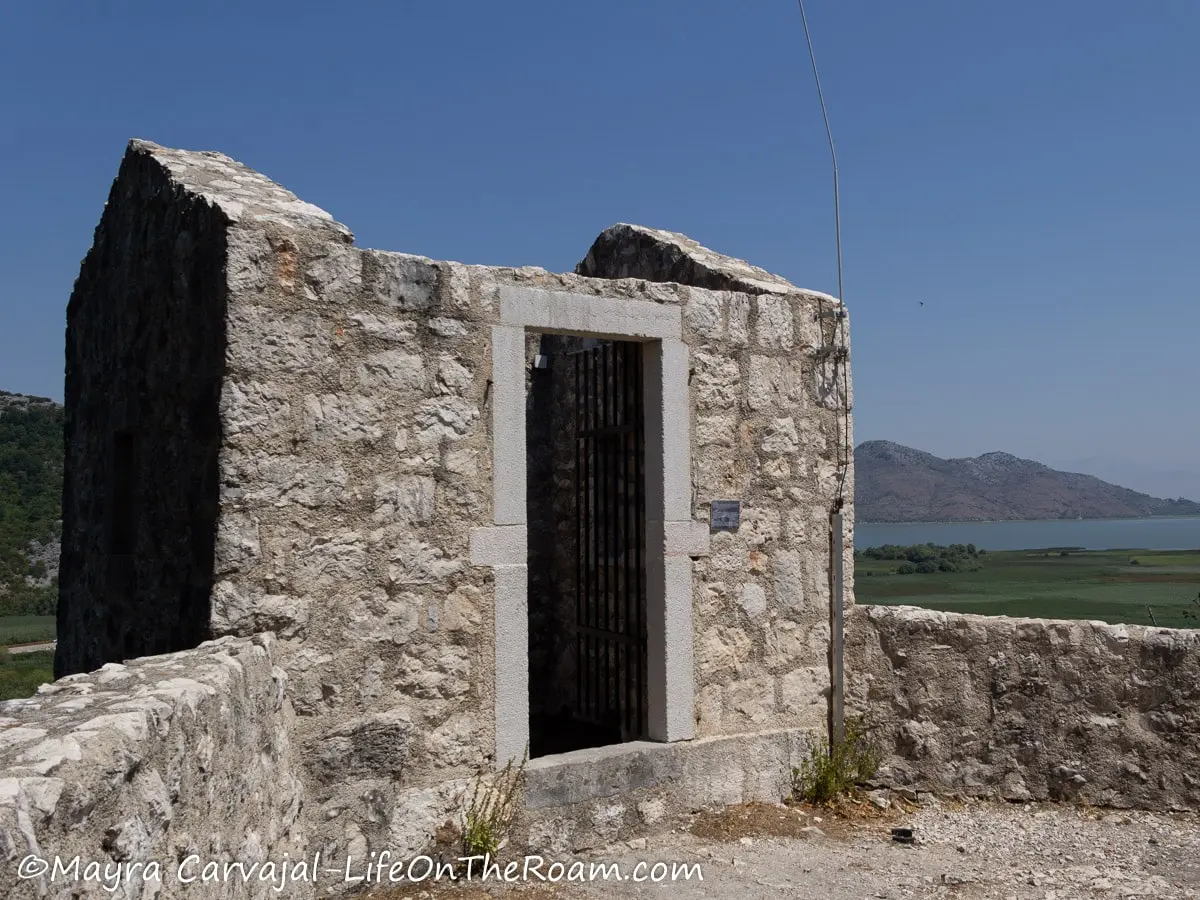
1092 534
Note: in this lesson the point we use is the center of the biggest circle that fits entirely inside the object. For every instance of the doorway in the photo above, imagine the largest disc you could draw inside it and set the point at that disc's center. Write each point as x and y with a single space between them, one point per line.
586 509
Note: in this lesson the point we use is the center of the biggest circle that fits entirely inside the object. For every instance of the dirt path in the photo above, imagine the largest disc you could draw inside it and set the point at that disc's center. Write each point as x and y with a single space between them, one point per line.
32 648
973 850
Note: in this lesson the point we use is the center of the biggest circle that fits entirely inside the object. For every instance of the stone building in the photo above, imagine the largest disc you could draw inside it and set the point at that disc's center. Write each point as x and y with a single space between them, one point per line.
482 509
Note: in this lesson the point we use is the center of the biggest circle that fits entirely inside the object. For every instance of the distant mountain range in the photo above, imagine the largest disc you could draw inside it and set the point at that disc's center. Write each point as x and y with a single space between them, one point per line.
894 483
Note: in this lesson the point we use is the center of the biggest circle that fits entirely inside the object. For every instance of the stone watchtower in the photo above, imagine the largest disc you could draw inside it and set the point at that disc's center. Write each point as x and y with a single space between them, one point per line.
483 509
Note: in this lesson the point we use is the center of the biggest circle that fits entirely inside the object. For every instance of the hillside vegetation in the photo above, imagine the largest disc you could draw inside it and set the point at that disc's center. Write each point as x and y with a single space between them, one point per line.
31 475
894 483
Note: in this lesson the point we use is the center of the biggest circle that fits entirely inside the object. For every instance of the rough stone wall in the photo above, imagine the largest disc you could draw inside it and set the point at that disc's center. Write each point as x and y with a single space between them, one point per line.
1030 708
766 430
169 757
144 351
356 463
762 595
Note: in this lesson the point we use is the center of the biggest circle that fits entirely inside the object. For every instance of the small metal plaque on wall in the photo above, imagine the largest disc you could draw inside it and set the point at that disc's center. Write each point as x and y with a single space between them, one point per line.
724 515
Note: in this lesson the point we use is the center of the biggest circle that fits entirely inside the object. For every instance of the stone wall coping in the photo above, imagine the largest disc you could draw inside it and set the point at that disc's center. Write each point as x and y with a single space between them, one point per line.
1008 624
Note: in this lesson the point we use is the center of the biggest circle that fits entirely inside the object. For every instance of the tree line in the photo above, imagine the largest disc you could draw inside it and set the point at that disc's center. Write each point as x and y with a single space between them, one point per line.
927 559
31 476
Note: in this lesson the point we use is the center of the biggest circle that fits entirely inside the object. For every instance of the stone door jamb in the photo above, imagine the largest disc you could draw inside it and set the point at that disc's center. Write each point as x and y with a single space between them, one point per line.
672 537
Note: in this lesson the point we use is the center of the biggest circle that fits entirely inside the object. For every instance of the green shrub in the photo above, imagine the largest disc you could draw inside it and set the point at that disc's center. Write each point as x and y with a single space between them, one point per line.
493 807
927 559
826 773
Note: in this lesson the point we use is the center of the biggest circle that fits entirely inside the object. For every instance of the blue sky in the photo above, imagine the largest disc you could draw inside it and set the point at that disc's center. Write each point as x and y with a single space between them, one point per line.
1028 170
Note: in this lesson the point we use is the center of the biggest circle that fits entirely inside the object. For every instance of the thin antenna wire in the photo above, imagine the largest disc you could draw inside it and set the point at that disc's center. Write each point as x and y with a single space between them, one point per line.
837 205
845 450
836 527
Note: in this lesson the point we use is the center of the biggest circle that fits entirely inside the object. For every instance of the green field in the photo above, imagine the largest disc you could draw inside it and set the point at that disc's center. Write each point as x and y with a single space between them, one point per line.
1141 587
26 629
21 673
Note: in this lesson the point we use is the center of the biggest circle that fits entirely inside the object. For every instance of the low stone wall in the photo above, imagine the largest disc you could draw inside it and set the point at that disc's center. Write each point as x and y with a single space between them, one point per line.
1029 708
183 759
592 798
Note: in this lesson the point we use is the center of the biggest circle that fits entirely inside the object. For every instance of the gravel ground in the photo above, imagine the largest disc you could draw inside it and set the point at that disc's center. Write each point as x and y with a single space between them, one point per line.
961 850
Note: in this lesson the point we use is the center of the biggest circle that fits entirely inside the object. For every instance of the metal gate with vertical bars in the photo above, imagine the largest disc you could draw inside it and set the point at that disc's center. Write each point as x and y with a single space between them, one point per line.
610 504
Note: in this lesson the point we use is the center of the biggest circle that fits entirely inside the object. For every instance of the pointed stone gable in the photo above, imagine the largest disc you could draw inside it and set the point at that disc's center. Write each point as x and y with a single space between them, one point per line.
635 251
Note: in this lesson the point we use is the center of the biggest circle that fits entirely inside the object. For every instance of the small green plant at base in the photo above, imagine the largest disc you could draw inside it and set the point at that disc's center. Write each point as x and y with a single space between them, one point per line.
826 773
493 807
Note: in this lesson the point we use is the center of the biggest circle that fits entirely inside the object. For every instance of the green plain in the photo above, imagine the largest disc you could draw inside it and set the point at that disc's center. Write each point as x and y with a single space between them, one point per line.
21 673
26 629
1137 587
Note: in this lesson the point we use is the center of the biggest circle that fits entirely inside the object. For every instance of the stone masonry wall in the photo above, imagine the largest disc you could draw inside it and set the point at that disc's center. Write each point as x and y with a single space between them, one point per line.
1030 709
183 760
356 462
762 437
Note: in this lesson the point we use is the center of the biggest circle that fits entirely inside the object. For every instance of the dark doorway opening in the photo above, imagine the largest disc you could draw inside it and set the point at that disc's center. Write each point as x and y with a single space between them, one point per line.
587 527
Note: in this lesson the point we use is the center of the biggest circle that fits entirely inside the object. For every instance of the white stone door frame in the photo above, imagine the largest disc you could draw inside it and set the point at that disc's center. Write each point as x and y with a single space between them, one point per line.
672 537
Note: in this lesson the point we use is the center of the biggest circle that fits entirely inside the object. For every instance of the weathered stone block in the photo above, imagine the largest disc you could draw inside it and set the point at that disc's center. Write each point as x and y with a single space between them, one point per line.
375 746
716 381
399 281
241 612
773 328
334 274
266 343
703 314
751 699
407 499
754 600
343 417
392 371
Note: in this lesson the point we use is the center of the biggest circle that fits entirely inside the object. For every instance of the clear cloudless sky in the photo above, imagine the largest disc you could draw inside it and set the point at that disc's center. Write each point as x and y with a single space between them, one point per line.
1028 170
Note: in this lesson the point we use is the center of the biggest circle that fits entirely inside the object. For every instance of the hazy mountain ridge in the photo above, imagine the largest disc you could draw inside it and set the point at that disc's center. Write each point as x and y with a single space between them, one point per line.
10 401
894 483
